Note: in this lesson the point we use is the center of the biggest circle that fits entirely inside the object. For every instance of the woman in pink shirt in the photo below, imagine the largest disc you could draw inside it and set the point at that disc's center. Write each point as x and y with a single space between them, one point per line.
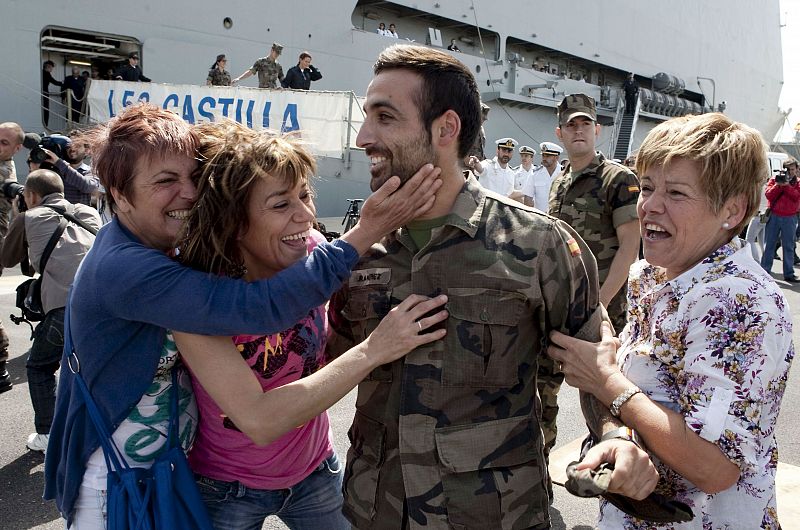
259 450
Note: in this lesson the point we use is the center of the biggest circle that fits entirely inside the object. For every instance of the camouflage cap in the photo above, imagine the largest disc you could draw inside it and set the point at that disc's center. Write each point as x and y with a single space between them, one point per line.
277 47
576 105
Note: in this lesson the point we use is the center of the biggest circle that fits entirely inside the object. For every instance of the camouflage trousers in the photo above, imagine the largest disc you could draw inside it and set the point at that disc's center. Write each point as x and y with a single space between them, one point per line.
549 383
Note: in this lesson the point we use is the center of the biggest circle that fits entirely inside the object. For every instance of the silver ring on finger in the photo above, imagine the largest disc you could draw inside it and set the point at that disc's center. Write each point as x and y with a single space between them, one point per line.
420 326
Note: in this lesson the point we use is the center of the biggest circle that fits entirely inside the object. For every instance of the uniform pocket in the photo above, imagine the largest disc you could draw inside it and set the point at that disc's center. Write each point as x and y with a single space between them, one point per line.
491 474
482 346
364 459
364 310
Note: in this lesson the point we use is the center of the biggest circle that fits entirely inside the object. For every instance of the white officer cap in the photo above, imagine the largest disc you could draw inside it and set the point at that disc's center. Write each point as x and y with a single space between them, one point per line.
549 148
508 143
526 150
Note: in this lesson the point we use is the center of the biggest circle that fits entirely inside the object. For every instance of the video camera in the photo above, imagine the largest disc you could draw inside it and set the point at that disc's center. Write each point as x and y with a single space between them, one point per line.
57 143
782 176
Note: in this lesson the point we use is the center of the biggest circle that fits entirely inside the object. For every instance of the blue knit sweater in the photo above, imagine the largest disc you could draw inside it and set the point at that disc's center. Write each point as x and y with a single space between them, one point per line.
125 296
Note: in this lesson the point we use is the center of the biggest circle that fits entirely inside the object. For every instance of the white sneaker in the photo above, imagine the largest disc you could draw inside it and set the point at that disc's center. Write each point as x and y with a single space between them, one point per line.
38 442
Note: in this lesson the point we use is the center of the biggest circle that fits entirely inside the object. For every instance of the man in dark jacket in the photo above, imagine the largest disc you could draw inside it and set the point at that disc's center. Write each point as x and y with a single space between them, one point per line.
299 77
131 71
47 80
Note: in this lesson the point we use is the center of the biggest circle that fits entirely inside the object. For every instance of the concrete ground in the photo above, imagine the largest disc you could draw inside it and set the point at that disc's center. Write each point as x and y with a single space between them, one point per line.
21 471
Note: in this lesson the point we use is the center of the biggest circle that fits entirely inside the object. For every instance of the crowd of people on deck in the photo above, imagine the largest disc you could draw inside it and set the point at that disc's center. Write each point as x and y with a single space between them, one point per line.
469 291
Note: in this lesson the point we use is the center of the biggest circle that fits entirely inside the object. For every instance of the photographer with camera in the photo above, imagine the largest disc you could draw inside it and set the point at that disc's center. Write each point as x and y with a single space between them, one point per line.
783 195
11 136
29 236
66 158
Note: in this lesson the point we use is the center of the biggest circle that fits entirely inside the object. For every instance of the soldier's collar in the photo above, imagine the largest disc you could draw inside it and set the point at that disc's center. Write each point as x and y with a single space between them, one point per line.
468 208
591 169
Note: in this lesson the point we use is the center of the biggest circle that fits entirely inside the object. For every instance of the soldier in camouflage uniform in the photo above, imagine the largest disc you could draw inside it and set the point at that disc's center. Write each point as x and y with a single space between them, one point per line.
218 75
269 70
597 198
449 436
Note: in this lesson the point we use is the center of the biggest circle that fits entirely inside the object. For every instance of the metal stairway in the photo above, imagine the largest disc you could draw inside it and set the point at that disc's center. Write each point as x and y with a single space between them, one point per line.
622 148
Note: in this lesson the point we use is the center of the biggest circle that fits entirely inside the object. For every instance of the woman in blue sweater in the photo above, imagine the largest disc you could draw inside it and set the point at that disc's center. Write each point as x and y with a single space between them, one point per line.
128 292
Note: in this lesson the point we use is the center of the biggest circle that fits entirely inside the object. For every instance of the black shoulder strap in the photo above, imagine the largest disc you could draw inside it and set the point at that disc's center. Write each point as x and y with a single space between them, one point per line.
62 211
62 225
51 244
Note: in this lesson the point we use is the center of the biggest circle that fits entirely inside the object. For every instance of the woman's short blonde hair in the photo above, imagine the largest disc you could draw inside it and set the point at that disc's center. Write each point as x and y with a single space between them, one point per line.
233 159
732 157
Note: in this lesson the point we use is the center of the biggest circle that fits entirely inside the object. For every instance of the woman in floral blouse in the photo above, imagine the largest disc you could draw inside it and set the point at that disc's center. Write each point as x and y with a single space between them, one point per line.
700 369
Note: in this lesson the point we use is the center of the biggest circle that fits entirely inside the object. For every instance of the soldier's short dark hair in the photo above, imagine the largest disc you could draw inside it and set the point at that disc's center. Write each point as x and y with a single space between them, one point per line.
731 156
447 84
44 182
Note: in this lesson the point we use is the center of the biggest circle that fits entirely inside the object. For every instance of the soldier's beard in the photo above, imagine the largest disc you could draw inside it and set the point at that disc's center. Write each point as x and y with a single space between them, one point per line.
404 160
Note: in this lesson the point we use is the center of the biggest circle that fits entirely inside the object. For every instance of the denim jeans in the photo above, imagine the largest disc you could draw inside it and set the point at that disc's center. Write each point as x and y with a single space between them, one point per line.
783 226
43 361
755 236
312 504
90 510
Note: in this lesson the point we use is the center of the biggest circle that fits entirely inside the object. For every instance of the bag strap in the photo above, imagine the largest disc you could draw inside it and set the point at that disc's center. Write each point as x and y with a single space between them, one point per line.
51 245
111 453
69 215
115 460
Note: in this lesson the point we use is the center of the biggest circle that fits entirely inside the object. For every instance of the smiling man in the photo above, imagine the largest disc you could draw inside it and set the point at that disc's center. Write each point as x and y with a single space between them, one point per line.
449 436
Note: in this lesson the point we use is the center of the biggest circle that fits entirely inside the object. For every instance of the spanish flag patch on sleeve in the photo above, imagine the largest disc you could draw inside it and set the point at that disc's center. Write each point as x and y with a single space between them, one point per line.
574 249
633 189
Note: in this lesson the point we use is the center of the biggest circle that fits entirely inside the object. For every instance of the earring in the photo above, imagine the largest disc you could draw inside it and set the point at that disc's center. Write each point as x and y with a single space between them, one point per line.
726 226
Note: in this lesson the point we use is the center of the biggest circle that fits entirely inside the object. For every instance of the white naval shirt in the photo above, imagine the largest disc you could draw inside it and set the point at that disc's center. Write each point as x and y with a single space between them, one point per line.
495 178
540 181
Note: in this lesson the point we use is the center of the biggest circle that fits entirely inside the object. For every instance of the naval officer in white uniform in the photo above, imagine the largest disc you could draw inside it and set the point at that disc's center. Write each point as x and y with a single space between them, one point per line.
495 174
524 175
542 178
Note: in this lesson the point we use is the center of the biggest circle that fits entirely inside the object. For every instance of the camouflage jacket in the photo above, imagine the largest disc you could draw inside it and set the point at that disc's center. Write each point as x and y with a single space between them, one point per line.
269 72
8 173
451 430
595 201
219 77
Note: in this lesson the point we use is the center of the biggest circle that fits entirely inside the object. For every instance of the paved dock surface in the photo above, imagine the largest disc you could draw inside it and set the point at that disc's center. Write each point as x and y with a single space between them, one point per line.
21 471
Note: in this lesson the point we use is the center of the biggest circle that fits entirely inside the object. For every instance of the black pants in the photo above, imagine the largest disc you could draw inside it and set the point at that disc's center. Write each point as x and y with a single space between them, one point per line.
43 362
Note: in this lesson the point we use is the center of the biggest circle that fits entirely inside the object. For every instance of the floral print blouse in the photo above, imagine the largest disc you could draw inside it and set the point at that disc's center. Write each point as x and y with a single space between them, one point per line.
714 344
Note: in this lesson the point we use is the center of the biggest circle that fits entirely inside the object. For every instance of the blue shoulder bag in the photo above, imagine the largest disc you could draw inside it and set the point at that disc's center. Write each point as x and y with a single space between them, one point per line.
163 497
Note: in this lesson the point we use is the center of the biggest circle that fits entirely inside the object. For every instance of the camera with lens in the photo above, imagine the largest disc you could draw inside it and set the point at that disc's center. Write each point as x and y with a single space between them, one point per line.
781 176
57 143
12 190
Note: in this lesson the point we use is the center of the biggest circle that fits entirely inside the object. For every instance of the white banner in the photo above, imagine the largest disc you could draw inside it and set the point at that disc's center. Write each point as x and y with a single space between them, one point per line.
322 117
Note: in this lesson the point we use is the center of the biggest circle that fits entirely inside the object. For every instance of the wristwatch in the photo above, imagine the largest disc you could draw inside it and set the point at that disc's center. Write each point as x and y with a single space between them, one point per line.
624 433
621 399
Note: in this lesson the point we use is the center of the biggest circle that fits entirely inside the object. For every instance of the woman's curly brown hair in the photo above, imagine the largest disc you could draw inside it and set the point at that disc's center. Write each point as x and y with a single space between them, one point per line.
233 159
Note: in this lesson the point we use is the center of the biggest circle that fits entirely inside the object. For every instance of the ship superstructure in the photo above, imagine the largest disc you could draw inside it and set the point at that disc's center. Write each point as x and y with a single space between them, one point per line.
686 56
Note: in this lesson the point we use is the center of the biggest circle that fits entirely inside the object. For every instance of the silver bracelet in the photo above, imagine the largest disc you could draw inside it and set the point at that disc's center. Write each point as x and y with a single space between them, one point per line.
622 399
